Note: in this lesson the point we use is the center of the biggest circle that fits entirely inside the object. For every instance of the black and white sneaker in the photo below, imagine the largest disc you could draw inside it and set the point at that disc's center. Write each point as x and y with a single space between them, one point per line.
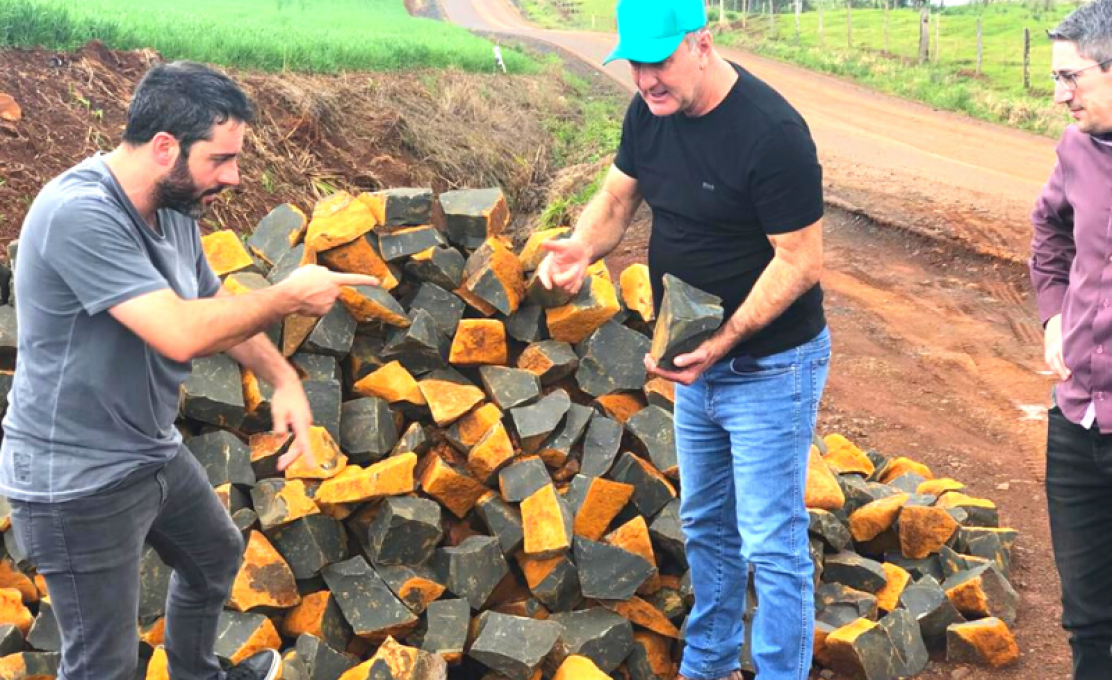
266 665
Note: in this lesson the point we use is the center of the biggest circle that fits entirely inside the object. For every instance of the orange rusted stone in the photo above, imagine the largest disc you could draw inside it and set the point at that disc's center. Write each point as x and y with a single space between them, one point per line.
391 383
225 252
13 611
591 308
873 519
391 477
359 257
601 504
479 342
546 522
888 597
448 400
264 579
988 642
923 531
634 537
325 462
643 614
901 466
532 253
452 488
336 220
621 406
491 453
823 491
637 291
843 456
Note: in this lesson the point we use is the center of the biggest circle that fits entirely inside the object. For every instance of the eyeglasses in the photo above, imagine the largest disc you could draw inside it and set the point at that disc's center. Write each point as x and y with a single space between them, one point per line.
1068 79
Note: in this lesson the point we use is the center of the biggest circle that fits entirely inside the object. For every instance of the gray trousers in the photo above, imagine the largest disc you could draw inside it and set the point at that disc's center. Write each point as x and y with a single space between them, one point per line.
89 550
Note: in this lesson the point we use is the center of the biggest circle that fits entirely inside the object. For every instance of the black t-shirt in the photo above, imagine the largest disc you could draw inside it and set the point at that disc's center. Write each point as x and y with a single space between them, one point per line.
718 185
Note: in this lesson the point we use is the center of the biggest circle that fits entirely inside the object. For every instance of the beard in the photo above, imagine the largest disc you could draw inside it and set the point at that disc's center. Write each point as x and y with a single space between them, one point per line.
178 192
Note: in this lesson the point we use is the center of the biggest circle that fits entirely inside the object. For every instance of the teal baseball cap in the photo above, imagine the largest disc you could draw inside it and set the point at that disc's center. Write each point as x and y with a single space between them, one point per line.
649 31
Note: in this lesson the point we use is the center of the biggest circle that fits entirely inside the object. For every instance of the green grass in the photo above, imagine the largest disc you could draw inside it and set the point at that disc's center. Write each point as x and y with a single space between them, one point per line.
322 36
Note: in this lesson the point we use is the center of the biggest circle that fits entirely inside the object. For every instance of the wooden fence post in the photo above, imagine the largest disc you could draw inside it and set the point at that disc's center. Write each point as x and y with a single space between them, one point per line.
885 26
937 23
924 34
822 33
1026 59
798 10
980 46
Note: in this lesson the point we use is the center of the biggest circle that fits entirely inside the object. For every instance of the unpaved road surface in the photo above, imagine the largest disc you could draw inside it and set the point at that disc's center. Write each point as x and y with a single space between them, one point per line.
937 350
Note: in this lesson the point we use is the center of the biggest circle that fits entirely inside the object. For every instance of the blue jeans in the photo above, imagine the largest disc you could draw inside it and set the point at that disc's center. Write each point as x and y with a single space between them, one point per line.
743 431
89 551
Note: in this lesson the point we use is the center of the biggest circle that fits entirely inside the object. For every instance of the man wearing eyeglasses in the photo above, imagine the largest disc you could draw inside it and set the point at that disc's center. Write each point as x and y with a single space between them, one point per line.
1071 268
733 179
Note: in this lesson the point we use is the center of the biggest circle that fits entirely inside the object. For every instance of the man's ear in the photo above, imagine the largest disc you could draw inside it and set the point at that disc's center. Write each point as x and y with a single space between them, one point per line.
165 149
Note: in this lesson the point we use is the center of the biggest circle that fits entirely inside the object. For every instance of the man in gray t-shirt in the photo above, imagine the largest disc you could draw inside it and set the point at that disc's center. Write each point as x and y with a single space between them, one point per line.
114 299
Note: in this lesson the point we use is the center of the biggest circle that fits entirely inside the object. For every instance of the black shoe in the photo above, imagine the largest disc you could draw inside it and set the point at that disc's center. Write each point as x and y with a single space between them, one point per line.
266 665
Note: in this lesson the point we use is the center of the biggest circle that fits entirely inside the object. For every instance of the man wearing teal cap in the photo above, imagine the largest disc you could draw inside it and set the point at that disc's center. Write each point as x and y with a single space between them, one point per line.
733 179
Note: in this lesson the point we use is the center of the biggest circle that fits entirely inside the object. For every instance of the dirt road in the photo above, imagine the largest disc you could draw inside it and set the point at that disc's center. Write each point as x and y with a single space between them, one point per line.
937 348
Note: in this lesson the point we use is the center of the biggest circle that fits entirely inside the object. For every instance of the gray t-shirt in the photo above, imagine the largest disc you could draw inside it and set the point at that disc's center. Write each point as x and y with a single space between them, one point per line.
91 402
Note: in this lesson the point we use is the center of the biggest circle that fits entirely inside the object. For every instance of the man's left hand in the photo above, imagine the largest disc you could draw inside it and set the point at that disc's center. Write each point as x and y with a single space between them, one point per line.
289 409
692 364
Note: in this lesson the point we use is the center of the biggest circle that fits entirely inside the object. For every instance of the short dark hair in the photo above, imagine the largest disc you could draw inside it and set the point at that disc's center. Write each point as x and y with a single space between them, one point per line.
186 100
1089 28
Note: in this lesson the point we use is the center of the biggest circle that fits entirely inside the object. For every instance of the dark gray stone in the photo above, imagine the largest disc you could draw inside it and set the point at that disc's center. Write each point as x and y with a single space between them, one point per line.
954 562
560 443
367 429
611 360
213 393
839 605
415 439
534 423
9 329
652 427
559 590
927 603
561 358
317 367
286 264
321 661
367 603
444 268
401 244
274 235
527 324
310 544
854 571
509 387
448 625
45 636
907 639
400 577
471 215
908 482
856 491
420 348
272 510
405 531
873 656
503 521
445 308
333 334
472 569
990 544
512 645
600 445
1001 599
688 316
928 566
548 298
234 630
522 479
667 532
597 634
365 357
225 458
407 206
325 400
11 640
607 572
830 530
650 492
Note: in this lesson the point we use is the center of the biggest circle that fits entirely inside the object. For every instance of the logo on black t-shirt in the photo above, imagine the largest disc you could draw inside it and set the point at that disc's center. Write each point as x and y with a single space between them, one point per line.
708 186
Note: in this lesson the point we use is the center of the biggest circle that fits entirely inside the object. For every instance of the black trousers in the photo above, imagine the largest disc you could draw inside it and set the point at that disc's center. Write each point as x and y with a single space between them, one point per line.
1079 495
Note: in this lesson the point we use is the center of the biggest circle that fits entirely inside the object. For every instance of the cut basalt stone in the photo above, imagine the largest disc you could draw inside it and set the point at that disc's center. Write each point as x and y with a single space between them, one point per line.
612 360
472 569
213 392
509 387
367 429
653 428
513 646
688 316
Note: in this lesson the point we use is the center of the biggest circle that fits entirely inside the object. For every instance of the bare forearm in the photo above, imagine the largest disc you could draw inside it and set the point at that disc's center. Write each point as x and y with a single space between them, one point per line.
603 223
259 355
781 284
224 322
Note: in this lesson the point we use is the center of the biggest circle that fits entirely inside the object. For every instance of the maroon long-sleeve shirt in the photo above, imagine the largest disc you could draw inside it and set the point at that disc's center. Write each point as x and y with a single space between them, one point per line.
1071 269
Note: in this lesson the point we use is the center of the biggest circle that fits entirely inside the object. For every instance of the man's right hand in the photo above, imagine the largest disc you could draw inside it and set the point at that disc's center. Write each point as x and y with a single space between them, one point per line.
565 265
1053 348
314 289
